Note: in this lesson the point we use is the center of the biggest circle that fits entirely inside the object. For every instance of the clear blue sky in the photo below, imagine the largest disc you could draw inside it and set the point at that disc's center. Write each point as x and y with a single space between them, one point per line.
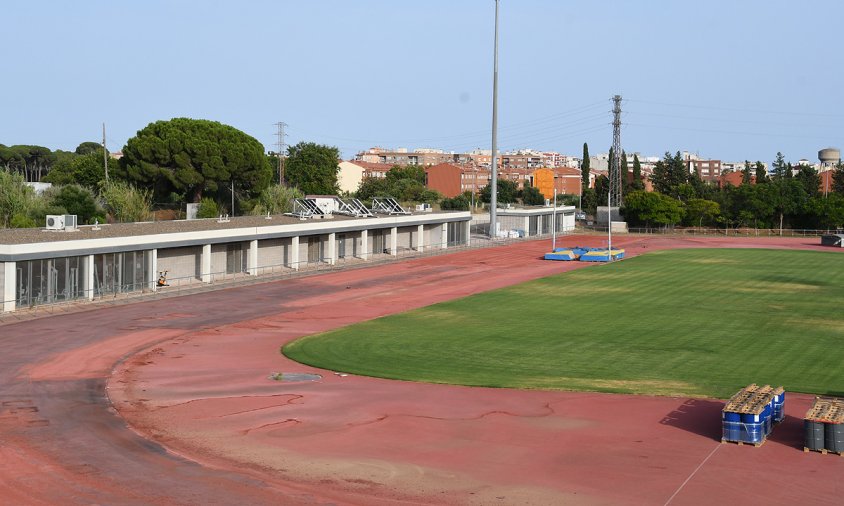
727 79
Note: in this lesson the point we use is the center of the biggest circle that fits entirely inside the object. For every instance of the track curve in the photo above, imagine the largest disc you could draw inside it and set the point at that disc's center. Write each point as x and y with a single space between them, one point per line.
190 375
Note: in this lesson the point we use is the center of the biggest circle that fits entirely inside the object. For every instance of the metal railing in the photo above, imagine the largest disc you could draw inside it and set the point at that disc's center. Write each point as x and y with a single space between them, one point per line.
728 232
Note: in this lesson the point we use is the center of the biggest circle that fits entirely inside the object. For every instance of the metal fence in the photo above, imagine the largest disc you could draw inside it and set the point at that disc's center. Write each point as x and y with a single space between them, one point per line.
720 232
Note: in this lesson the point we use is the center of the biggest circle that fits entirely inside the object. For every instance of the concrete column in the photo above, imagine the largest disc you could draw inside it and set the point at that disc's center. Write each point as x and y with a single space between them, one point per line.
88 282
252 258
10 282
468 225
294 252
394 241
152 260
364 239
205 264
527 226
332 248
420 233
444 240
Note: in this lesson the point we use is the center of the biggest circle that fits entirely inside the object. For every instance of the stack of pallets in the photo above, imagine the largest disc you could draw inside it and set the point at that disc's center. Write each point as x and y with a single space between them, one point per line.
824 426
749 416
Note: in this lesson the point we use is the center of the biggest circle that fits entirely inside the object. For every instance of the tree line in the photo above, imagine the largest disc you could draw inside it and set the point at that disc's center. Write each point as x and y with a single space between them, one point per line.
789 197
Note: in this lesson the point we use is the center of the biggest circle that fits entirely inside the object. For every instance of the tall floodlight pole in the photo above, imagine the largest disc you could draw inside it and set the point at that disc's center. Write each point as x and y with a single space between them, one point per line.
493 202
609 223
554 218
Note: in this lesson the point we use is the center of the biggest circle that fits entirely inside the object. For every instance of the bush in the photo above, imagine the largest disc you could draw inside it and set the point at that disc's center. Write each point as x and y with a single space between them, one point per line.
125 203
22 221
16 198
458 203
276 199
532 197
208 209
75 199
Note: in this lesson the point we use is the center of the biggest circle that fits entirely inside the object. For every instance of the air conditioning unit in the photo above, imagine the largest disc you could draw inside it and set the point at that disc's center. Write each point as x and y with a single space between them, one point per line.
423 207
55 222
61 222
70 222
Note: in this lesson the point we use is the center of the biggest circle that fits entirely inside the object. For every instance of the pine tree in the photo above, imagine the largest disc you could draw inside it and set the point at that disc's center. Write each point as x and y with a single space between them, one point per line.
584 167
761 173
638 184
746 177
624 173
780 167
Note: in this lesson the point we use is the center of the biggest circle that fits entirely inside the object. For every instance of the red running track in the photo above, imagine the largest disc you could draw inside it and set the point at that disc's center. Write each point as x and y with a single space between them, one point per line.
209 426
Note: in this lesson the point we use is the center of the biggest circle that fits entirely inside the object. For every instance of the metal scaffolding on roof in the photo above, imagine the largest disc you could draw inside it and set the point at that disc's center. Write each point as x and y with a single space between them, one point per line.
387 205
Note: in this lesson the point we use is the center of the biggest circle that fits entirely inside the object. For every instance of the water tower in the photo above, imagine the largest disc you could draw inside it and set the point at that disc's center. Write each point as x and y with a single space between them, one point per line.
829 157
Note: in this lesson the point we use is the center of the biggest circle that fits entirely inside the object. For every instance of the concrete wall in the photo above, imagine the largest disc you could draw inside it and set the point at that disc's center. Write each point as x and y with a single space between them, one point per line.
303 249
370 246
348 244
218 258
433 236
180 262
273 254
407 238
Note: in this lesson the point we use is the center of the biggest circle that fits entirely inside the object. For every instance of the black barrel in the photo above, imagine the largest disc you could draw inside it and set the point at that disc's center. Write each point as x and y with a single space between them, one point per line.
834 436
814 435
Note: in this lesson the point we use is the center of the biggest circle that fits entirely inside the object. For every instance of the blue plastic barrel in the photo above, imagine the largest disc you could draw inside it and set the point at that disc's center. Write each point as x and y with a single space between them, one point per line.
767 417
779 407
753 432
731 426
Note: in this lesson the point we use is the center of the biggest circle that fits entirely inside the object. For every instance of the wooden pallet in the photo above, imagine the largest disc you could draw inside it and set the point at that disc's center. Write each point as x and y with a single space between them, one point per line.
826 410
742 443
823 451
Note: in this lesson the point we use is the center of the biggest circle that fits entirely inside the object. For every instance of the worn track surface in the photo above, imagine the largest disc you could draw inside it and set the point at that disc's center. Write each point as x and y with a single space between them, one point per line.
169 402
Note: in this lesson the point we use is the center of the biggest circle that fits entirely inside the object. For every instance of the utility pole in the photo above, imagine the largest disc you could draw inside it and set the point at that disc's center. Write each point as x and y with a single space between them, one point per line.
105 155
614 193
280 145
493 202
616 184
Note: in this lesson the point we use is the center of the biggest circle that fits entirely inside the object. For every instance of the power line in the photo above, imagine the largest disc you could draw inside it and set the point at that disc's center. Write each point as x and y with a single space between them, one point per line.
751 111
704 130
727 120
481 134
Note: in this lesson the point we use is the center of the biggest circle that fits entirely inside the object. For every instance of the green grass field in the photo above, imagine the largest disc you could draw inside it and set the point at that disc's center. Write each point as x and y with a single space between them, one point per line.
700 322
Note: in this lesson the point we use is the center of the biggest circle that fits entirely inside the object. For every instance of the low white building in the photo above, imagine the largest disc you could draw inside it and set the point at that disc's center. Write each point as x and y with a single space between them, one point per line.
39 266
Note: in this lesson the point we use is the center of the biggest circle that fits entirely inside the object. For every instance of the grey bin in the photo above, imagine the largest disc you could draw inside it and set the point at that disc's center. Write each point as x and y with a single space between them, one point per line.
834 436
814 435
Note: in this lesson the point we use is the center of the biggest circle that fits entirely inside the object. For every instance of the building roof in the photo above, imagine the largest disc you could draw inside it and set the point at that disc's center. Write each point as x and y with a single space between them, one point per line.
734 178
372 166
14 236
